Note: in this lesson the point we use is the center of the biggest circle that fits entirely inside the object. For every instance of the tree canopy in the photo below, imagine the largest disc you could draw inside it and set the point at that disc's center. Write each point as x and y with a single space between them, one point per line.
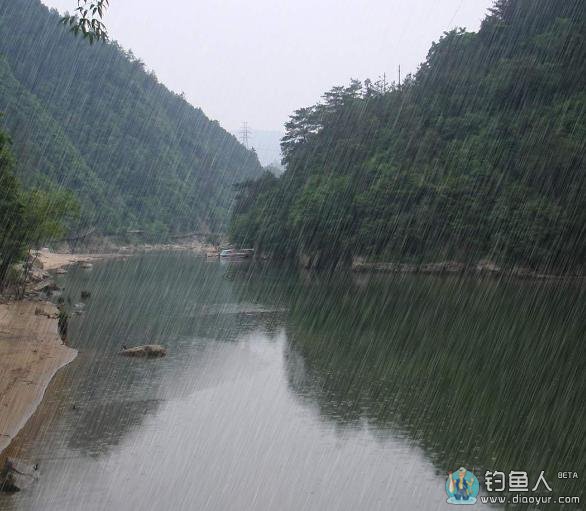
95 121
28 218
87 20
480 154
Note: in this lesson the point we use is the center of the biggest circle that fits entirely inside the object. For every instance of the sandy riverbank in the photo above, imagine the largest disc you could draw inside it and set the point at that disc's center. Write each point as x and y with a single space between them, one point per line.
51 261
31 352
54 260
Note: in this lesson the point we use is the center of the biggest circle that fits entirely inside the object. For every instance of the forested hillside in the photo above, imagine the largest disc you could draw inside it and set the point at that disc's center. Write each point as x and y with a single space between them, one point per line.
91 119
479 155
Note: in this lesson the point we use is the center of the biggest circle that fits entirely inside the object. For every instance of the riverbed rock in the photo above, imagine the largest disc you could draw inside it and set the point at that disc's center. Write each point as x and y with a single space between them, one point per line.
47 286
37 275
360 265
442 267
147 350
40 311
17 475
37 263
486 265
523 272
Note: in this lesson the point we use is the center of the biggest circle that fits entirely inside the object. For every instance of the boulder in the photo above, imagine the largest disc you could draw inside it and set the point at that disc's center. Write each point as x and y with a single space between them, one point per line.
486 265
17 475
47 285
442 267
40 311
454 267
520 271
361 265
148 350
37 263
36 275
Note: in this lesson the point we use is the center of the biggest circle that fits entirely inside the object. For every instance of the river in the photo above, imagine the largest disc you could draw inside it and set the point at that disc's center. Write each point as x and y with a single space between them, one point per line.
295 391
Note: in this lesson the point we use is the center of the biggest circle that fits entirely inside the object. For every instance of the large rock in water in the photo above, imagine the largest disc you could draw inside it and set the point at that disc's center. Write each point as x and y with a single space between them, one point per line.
148 350
17 475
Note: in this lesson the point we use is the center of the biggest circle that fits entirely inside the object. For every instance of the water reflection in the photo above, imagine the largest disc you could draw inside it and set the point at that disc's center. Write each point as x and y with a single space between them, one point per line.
479 373
173 300
299 391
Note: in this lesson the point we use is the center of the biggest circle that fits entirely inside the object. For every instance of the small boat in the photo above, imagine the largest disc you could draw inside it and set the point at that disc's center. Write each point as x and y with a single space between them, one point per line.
237 254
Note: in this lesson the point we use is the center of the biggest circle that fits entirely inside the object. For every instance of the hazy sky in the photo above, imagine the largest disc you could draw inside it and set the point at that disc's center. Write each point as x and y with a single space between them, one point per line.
258 60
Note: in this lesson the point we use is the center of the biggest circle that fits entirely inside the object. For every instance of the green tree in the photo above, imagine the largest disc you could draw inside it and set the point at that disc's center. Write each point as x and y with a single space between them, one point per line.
28 218
480 154
47 215
92 120
11 212
87 20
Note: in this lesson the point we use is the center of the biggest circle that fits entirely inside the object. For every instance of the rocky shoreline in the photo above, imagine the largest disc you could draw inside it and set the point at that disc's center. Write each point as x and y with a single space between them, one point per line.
482 268
31 349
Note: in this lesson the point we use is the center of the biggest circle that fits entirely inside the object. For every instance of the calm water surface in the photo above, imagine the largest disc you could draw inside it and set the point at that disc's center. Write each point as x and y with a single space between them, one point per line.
286 391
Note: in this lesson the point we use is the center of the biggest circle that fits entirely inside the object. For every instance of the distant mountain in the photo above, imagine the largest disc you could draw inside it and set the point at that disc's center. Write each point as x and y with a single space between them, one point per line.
267 145
91 119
